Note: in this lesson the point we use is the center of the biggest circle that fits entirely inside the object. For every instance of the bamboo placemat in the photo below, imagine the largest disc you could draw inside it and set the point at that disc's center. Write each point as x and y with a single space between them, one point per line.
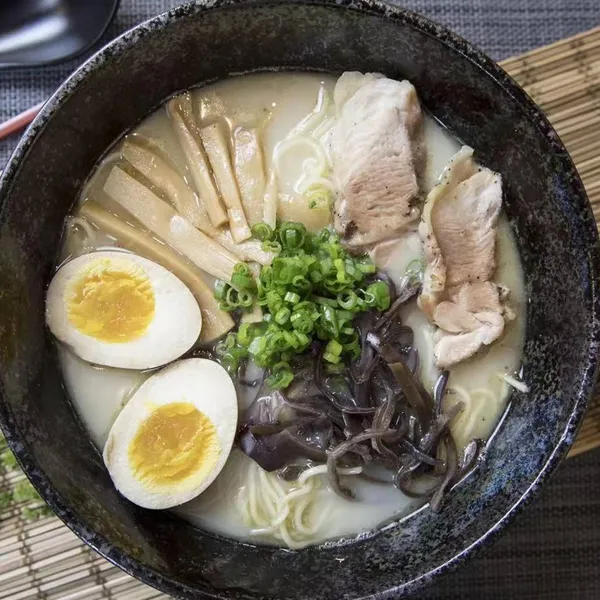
41 559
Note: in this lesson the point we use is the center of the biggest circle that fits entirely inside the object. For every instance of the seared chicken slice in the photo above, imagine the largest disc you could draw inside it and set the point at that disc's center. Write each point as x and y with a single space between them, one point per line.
375 148
480 296
465 228
452 348
458 228
458 231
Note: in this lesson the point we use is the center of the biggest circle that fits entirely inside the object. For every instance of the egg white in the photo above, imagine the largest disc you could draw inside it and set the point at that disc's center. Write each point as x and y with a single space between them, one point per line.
173 330
201 382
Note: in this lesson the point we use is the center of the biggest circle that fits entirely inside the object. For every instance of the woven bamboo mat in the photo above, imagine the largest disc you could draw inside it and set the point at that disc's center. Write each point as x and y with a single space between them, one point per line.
41 559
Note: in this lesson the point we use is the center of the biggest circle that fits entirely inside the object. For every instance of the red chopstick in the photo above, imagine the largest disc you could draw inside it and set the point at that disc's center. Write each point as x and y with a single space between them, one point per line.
19 121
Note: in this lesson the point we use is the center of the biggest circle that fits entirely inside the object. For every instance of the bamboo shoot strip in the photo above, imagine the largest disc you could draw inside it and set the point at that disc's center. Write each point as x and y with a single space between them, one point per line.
217 150
215 322
186 202
250 172
160 173
247 251
185 108
161 220
198 166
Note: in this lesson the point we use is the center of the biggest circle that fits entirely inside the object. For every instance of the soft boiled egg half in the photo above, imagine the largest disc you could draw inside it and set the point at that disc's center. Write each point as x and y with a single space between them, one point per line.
174 435
121 310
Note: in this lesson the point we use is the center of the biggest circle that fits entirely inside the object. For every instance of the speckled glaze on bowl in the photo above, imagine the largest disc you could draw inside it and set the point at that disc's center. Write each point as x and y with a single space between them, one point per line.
546 205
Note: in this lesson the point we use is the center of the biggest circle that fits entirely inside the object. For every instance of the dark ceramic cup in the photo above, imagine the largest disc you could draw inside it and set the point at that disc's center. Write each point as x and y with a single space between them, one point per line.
484 108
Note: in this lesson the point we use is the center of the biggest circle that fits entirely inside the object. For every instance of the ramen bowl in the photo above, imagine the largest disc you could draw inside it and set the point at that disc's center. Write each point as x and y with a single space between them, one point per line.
545 203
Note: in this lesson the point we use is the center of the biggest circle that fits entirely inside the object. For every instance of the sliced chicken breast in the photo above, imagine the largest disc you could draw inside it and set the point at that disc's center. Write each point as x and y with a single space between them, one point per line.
458 231
452 348
465 228
349 83
453 318
460 168
480 296
376 149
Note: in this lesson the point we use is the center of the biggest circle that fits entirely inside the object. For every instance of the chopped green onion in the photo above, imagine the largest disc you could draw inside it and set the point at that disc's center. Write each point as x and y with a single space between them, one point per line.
220 289
271 246
335 369
226 344
242 278
327 301
313 289
274 301
229 362
245 299
282 365
348 300
366 268
334 347
292 235
381 293
302 322
242 282
351 342
283 316
326 264
242 269
266 277
244 335
232 296
257 346
303 339
319 197
291 297
280 379
316 276
368 298
334 286
262 232
344 317
300 282
332 358
324 235
329 320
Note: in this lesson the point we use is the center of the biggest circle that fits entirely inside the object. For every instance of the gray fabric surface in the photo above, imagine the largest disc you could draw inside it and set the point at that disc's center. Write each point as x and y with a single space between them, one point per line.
553 550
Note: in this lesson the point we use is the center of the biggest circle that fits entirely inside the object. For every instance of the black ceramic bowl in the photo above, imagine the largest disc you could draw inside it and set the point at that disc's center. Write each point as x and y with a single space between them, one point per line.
546 205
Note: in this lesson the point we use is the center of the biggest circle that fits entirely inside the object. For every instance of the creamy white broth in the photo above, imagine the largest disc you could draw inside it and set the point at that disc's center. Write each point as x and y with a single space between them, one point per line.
279 101
99 393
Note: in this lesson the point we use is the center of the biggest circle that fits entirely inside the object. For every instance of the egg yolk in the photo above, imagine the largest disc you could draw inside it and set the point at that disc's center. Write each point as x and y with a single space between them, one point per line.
175 442
112 303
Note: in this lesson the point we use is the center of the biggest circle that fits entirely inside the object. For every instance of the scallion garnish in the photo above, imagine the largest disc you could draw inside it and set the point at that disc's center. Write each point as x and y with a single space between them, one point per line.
313 289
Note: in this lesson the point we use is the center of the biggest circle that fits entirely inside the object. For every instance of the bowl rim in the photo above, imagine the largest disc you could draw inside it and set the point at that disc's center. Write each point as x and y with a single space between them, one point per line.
453 41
